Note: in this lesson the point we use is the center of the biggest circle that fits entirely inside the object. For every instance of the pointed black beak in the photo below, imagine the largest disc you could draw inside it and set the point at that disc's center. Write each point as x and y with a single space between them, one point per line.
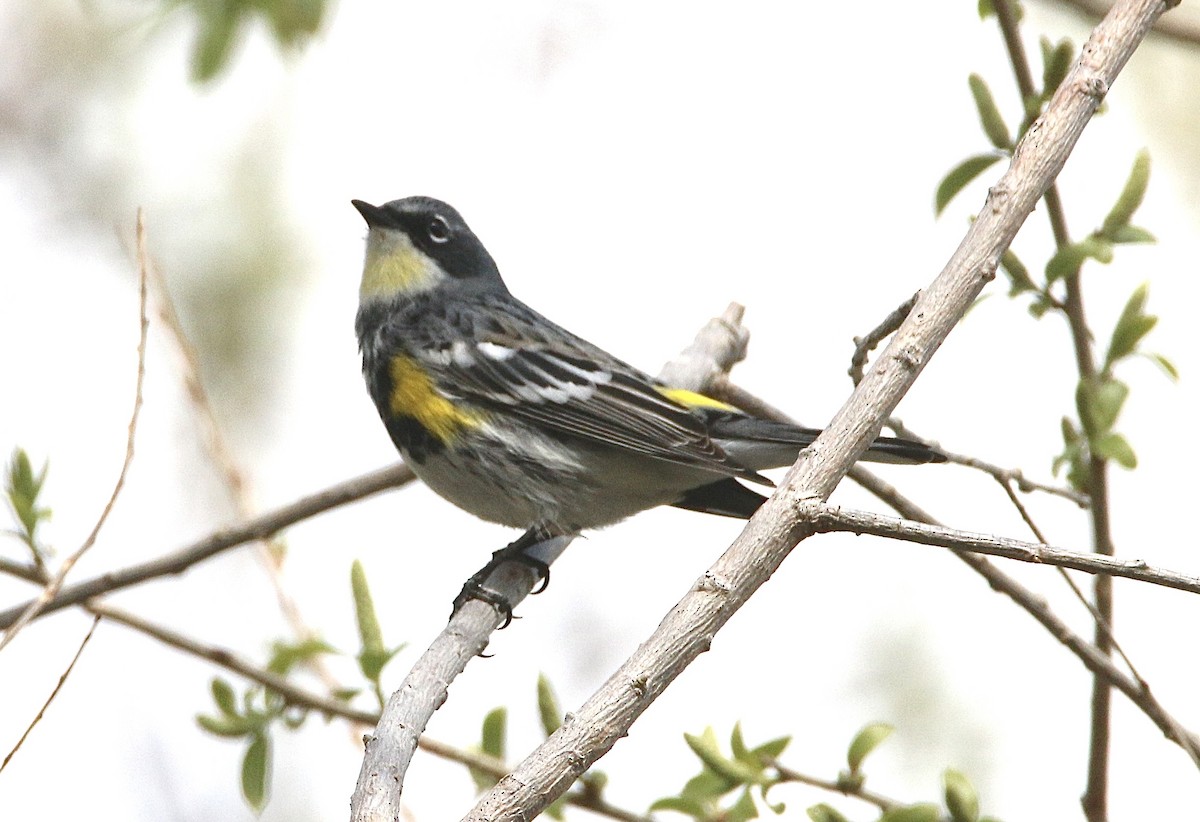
374 215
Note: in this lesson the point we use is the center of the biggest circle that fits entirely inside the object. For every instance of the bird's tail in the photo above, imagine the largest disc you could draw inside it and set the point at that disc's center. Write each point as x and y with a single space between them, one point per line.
760 444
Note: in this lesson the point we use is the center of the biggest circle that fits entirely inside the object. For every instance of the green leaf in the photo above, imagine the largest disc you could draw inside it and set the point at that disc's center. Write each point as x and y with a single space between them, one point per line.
989 115
866 741
255 767
374 655
223 694
1100 406
1133 325
1113 446
737 745
678 803
369 632
548 708
219 26
1068 259
705 746
961 799
24 487
825 813
1166 365
293 21
230 727
493 742
494 739
743 809
1056 62
1078 473
1098 248
959 177
1065 262
912 813
1018 274
287 655
771 749
1131 196
707 786
1130 234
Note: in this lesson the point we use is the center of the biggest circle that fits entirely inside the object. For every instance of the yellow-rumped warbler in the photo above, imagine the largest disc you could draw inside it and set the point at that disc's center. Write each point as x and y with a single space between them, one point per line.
519 421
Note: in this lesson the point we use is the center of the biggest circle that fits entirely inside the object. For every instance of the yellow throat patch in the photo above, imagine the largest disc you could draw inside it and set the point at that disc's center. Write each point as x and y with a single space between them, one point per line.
395 266
413 395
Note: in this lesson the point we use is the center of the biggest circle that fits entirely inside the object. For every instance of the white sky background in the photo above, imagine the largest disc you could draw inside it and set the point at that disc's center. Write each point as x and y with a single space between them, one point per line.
633 168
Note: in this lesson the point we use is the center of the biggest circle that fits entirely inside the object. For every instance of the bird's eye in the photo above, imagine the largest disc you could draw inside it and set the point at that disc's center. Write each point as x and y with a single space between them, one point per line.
439 229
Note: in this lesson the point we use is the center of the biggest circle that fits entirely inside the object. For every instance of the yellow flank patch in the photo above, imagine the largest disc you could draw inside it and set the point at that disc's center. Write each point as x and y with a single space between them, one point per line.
413 395
691 399
395 266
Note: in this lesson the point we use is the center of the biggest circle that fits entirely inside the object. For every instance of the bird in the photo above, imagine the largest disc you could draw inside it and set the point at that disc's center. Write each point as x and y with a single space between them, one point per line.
517 420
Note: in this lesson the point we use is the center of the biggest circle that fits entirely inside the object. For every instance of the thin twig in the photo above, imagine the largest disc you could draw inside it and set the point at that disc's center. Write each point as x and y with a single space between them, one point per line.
1001 475
863 346
23 570
1187 740
61 681
52 588
1096 662
878 800
826 518
271 550
260 527
291 694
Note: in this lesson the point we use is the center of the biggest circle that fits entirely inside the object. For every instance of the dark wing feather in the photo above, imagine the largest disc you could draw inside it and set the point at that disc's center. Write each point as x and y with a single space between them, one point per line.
531 369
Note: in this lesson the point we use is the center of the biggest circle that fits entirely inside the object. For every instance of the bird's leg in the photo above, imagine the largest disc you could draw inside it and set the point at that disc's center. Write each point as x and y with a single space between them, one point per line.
515 551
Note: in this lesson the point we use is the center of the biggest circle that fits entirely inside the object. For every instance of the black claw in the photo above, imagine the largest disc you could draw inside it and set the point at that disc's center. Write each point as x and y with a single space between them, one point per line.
513 552
544 570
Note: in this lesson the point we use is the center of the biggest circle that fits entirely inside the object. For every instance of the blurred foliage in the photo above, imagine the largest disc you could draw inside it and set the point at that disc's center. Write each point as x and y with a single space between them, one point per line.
23 491
74 120
222 23
1099 397
258 711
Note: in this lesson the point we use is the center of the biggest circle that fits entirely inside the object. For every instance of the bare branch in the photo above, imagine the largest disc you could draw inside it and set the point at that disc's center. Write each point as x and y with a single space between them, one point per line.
258 528
271 551
1096 662
828 518
1001 475
878 800
863 346
52 588
1183 28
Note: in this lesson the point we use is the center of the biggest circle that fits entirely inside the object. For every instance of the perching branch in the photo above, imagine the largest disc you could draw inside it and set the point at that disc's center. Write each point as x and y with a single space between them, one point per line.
719 345
688 629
